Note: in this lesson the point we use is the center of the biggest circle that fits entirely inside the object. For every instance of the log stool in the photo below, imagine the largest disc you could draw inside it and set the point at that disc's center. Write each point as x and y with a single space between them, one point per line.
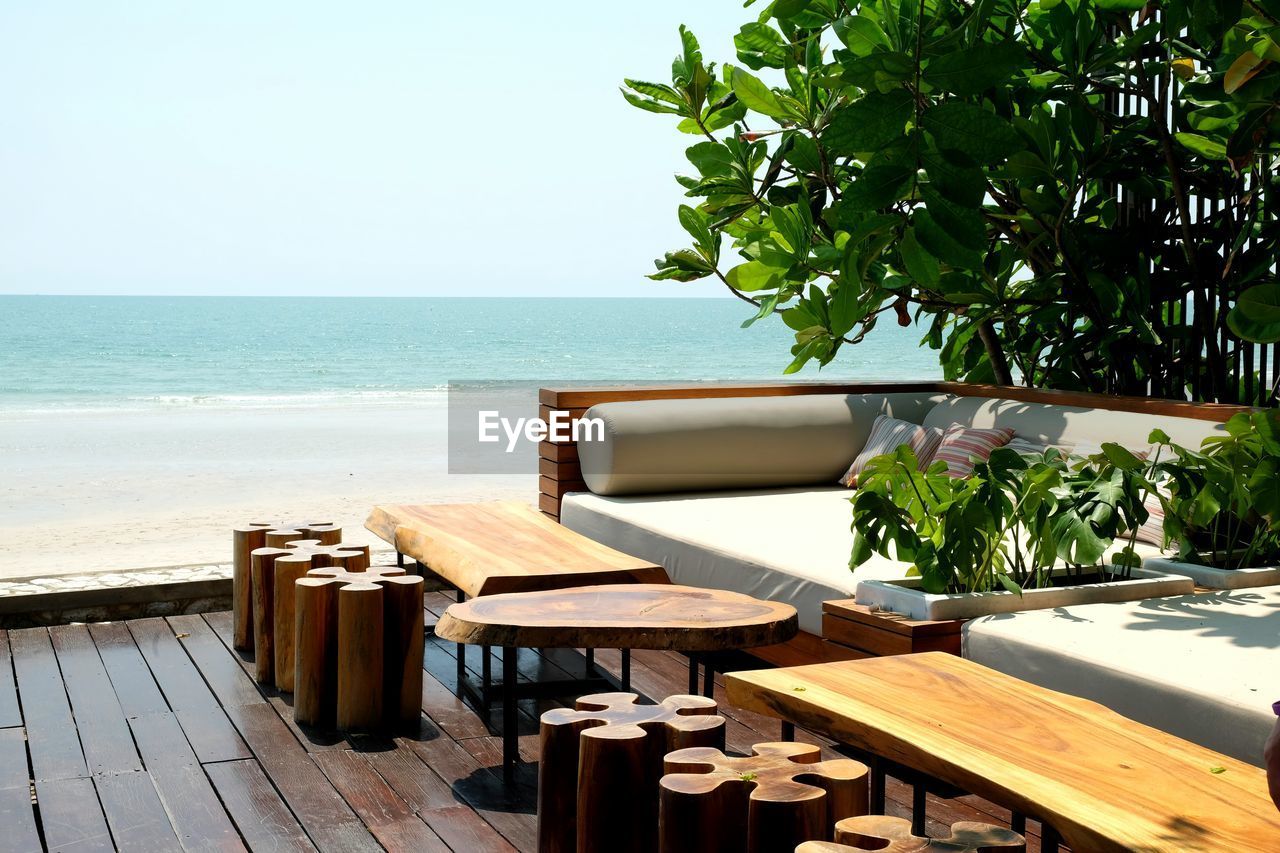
778 797
274 570
244 541
894 835
359 639
600 765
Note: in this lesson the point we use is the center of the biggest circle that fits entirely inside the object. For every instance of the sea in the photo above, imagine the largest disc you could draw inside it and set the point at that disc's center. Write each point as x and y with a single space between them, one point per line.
114 353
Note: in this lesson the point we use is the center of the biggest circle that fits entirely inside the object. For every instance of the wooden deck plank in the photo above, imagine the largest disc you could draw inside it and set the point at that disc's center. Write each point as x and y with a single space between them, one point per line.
135 686
224 675
427 794
134 812
389 818
262 817
314 740
52 740
328 820
104 734
189 799
206 725
71 816
17 815
10 714
510 813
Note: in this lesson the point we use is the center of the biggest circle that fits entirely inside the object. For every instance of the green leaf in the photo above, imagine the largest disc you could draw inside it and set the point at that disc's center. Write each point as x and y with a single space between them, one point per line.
868 124
753 276
972 70
1202 145
651 105
844 309
982 135
939 243
861 35
712 159
878 186
760 46
920 265
1121 5
752 91
964 225
1256 315
956 177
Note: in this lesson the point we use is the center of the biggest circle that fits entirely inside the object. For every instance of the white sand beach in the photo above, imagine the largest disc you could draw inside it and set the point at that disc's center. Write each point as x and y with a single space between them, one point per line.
118 490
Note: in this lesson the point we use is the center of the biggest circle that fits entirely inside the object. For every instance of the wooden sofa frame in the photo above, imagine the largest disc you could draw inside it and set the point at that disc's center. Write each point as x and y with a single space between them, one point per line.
560 473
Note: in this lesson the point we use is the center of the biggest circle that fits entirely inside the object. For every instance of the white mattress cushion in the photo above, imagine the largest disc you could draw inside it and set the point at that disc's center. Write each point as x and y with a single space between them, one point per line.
1203 667
788 545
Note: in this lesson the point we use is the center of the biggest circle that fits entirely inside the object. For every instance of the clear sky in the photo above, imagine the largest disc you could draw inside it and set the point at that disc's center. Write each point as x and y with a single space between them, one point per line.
306 147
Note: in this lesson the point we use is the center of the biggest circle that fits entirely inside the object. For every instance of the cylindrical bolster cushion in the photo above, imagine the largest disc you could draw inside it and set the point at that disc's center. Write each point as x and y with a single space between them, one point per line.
653 446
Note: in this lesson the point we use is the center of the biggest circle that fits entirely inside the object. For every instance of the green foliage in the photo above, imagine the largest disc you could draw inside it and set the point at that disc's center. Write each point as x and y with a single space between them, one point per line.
1222 502
1006 526
1005 171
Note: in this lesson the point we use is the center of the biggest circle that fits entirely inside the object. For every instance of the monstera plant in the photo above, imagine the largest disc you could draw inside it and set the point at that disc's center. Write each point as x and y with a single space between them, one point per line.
1014 523
1056 189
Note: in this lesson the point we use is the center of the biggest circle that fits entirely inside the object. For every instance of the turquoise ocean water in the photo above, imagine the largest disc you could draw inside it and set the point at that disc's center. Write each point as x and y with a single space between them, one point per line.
105 353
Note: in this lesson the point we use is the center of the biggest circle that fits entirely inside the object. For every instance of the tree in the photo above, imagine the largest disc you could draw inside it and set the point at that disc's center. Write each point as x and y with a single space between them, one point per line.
1069 192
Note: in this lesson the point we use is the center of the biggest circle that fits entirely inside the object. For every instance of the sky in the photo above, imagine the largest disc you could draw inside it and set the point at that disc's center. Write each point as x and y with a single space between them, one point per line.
391 147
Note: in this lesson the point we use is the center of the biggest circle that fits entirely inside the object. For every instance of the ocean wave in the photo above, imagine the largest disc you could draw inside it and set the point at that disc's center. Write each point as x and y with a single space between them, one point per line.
437 394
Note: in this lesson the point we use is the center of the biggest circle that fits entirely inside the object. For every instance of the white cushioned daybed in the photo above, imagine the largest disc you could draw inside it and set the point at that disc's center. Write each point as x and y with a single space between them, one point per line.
1202 667
740 493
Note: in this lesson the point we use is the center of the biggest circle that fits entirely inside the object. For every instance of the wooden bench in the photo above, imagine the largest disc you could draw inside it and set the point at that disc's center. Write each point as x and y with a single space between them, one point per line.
1101 780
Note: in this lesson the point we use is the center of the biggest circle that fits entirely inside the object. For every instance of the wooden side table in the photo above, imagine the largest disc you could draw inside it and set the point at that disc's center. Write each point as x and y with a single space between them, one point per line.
244 541
600 765
274 572
359 642
774 799
614 616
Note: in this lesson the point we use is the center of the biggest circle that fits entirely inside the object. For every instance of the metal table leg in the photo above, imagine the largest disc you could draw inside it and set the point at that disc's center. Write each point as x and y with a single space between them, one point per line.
590 668
693 674
510 736
788 733
486 674
919 806
399 559
877 785
462 651
1049 838
626 670
708 678
1018 822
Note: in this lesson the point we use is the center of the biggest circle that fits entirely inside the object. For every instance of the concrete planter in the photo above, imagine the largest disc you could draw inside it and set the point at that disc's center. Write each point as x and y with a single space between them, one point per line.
905 596
1214 577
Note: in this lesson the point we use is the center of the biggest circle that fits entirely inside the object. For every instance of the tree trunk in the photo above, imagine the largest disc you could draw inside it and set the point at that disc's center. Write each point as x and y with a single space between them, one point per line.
995 352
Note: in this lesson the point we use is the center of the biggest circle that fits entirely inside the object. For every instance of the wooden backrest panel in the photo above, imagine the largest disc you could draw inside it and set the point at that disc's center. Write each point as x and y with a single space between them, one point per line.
559 471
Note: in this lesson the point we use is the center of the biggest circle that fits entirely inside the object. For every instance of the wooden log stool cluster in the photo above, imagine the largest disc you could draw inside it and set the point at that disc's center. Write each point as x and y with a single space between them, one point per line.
359 643
261 534
275 570
781 795
600 766
894 835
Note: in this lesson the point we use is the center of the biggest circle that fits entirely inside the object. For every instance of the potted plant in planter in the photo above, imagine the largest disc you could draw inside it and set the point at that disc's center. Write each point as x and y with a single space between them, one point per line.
1017 534
1222 505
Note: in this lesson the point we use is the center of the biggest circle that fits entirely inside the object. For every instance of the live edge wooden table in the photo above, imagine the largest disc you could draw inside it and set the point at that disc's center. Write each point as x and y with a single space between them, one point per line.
1102 781
494 547
617 616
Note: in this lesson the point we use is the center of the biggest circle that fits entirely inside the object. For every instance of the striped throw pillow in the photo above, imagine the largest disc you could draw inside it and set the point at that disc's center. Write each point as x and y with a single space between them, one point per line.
961 446
887 435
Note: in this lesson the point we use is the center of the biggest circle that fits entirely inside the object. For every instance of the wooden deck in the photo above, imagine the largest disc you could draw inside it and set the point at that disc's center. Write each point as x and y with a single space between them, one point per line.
151 735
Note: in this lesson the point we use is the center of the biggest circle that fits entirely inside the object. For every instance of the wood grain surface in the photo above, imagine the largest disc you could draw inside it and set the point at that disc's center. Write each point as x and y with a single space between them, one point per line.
601 762
774 799
1103 781
893 835
244 541
621 616
503 546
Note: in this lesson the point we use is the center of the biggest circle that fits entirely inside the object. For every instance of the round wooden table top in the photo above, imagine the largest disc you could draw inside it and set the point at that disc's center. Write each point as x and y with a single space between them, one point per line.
621 616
